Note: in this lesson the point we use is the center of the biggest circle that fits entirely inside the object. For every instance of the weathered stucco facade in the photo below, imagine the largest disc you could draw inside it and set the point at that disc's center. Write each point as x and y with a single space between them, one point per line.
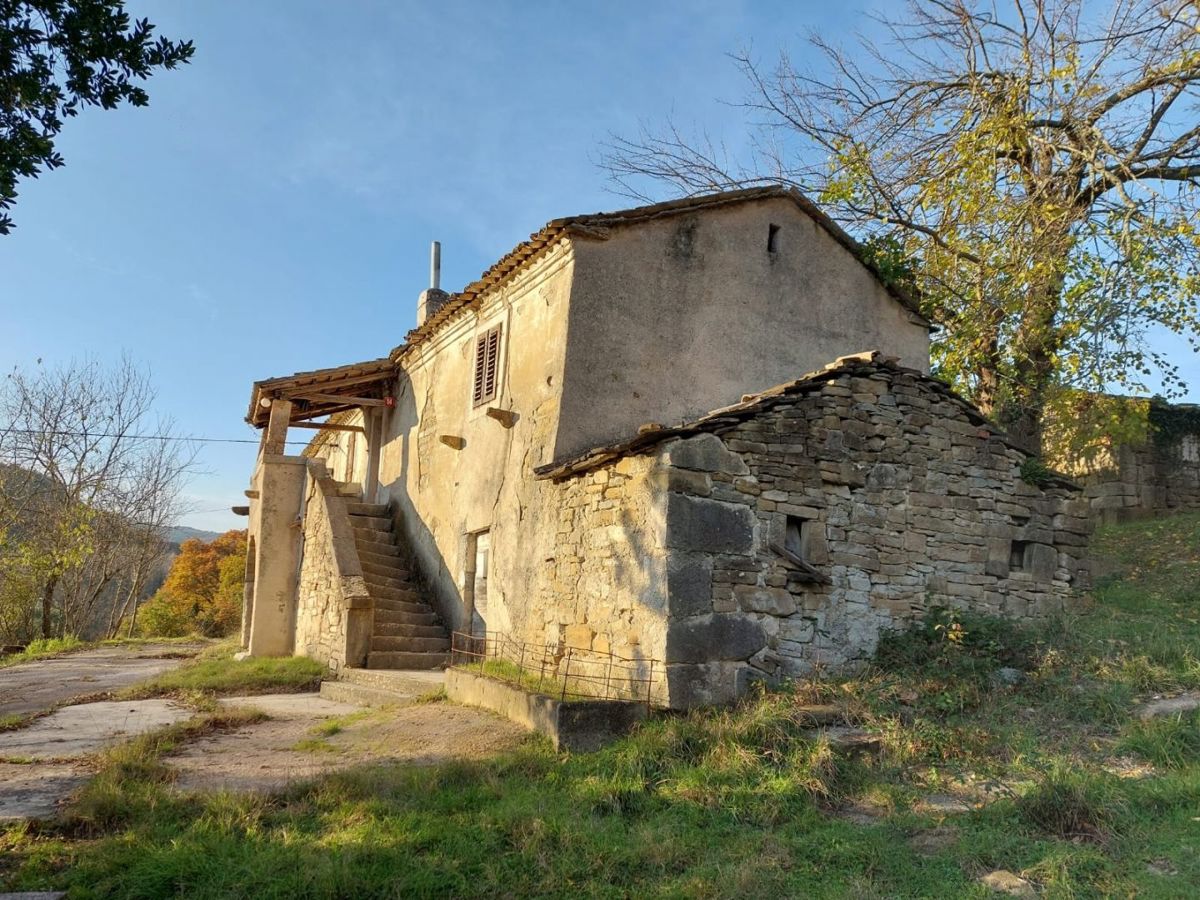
666 549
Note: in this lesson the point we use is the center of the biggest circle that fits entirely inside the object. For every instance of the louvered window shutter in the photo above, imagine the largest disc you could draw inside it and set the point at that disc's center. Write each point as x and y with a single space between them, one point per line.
487 366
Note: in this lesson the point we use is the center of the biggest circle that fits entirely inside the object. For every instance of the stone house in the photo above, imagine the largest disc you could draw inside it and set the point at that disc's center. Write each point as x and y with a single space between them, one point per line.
552 455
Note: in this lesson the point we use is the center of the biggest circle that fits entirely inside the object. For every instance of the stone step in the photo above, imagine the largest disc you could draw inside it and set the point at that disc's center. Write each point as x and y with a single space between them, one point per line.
404 595
392 617
405 606
363 694
348 489
377 510
369 532
376 523
384 644
390 659
398 680
381 559
377 549
375 580
403 629
391 569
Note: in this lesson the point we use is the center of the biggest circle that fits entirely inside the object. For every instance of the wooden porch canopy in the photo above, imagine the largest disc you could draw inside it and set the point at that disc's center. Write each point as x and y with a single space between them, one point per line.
323 392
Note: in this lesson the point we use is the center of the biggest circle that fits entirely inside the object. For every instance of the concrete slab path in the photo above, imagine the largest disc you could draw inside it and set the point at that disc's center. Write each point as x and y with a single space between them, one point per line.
74 731
34 686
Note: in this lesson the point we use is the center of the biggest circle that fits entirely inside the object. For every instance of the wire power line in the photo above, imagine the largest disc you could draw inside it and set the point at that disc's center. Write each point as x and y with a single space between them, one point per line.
146 437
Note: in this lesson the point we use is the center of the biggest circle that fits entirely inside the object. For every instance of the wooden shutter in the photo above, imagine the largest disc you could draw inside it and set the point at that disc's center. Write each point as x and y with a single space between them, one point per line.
487 366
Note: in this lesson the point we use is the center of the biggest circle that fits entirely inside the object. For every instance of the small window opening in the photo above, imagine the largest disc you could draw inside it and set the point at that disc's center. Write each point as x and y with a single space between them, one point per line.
1016 556
772 238
796 537
487 367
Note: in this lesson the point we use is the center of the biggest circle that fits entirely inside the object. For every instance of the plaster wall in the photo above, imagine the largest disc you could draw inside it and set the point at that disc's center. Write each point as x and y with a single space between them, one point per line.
450 470
673 318
274 528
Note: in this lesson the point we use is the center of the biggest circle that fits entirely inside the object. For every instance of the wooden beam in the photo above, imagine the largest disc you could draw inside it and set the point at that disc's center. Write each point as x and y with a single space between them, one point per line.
336 398
298 417
324 426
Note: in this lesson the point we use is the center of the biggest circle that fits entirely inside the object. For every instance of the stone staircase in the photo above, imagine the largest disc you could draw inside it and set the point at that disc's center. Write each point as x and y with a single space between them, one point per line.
407 633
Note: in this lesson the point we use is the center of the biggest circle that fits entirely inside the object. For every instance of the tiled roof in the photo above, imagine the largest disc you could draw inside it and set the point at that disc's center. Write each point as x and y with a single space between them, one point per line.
727 417
596 226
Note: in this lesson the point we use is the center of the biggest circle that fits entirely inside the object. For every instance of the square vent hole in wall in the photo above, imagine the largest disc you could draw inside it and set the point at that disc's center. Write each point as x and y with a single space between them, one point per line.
1016 556
796 537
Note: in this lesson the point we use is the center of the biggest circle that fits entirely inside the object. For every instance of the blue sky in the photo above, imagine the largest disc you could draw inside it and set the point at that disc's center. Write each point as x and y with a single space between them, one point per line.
271 210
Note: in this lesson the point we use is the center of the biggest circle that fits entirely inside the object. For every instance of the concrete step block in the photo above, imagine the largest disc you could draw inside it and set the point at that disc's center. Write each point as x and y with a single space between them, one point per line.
375 580
384 644
400 660
377 552
391 569
375 510
391 617
395 680
404 606
364 694
403 595
404 629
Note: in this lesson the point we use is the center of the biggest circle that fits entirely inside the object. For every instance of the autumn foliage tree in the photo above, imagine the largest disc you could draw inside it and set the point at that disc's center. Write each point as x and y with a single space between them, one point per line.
202 593
1031 167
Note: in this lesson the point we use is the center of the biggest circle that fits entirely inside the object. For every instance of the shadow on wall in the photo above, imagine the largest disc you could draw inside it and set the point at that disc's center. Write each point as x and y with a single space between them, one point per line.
419 546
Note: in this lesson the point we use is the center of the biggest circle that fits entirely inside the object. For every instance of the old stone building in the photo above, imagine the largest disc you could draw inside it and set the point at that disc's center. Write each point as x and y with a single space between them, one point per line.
541 459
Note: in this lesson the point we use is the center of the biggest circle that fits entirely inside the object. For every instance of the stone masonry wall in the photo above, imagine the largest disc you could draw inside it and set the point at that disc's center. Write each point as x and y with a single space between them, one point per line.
332 593
900 498
1157 477
604 589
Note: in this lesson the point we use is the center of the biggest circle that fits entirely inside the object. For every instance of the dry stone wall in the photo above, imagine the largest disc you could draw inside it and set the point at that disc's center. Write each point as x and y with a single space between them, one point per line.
1159 476
847 507
333 607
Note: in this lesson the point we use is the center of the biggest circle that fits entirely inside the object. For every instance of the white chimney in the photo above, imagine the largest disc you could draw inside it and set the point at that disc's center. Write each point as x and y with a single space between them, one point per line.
433 297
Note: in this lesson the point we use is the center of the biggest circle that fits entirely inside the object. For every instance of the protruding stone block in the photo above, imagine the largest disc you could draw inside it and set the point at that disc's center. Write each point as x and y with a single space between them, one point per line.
717 637
706 453
710 526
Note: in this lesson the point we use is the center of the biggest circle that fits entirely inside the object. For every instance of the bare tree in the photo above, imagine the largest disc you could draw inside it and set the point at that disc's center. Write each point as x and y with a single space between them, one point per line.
102 477
1030 166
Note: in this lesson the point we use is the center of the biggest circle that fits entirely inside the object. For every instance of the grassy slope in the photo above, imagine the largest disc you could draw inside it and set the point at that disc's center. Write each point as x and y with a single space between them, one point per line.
736 803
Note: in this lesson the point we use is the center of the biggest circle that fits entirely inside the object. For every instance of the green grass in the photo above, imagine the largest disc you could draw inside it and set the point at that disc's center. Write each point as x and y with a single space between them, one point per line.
733 803
216 672
511 673
44 647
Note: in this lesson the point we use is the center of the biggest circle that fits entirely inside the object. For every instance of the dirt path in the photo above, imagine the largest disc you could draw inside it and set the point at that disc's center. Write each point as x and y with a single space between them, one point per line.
41 684
307 736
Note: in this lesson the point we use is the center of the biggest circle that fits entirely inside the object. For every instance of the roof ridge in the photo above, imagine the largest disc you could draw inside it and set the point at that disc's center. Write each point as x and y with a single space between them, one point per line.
589 225
648 436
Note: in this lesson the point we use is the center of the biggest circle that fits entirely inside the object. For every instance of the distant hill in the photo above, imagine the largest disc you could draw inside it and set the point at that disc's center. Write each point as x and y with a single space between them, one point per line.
177 534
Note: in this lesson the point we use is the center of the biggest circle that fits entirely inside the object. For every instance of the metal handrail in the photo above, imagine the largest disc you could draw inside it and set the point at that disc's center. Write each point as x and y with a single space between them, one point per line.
570 673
